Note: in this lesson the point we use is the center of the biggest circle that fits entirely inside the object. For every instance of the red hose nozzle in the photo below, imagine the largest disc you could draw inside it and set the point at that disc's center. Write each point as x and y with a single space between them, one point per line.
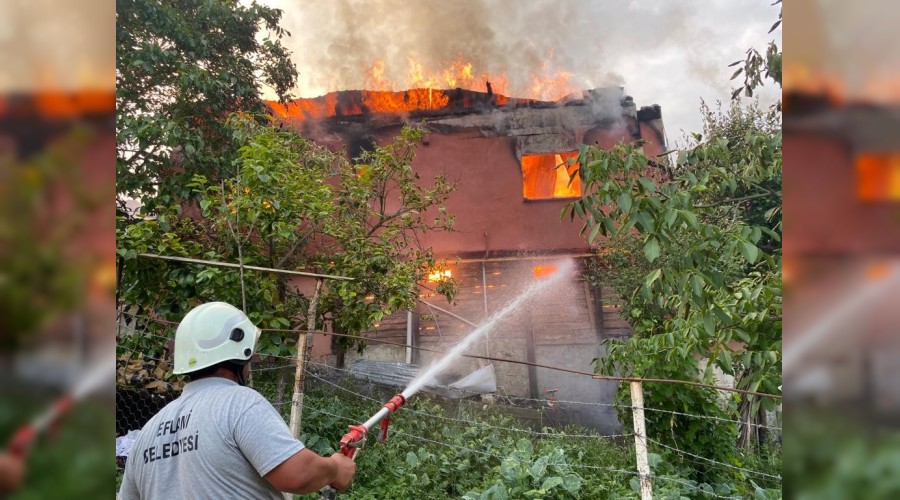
353 440
392 405
395 403
22 440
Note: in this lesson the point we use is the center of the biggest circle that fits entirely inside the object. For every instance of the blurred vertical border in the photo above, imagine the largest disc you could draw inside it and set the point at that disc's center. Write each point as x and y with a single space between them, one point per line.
57 236
841 249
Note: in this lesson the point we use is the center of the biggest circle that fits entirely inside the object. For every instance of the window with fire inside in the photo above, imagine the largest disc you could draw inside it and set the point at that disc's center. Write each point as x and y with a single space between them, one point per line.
878 176
550 176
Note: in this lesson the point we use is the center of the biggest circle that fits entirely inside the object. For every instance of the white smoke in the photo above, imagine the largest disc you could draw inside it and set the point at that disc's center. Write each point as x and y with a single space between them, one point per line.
334 42
670 52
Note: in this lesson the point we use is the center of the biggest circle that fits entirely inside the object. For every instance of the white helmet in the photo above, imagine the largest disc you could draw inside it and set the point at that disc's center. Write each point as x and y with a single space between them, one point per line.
212 333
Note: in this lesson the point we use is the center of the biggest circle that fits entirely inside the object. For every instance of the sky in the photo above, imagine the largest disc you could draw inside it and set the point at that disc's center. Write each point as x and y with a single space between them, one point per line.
48 44
848 46
672 53
667 52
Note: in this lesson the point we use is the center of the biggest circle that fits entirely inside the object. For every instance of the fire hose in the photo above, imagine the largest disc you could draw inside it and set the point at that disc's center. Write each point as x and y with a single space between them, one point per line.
355 439
23 439
94 380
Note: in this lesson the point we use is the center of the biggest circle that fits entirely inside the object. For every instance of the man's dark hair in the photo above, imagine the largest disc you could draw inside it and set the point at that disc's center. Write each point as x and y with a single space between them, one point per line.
236 367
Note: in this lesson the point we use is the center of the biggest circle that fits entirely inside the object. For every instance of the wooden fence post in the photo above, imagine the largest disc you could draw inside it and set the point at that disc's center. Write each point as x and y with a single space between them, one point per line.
640 439
304 342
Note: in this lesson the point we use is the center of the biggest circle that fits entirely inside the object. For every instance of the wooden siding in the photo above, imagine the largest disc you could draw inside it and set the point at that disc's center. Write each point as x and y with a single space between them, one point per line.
566 314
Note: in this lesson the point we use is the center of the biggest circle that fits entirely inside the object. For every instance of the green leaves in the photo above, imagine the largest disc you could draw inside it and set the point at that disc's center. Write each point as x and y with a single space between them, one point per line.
725 362
624 202
551 482
697 284
652 277
522 476
524 446
538 469
689 217
183 68
294 205
411 459
749 251
651 249
695 258
593 236
709 325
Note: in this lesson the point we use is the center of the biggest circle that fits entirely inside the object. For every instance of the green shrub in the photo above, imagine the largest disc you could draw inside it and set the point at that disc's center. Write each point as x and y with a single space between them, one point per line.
465 450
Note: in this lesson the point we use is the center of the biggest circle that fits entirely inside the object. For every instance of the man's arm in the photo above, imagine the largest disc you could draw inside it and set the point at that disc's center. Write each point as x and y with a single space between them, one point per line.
266 441
306 472
12 472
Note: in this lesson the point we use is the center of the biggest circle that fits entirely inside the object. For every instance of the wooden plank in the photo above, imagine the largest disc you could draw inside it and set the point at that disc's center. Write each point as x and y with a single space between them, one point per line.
532 370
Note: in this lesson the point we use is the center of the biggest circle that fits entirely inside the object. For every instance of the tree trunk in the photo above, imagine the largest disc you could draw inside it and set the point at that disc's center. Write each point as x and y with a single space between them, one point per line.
304 342
340 351
753 431
338 346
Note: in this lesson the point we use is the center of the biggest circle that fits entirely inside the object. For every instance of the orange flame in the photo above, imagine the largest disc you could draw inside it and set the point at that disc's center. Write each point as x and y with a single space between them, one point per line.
319 107
544 271
551 87
549 84
878 272
546 176
61 105
878 176
427 91
546 84
398 102
376 79
805 80
458 74
438 275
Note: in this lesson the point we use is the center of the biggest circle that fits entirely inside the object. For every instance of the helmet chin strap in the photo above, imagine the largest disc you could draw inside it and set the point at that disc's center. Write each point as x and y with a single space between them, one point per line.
238 370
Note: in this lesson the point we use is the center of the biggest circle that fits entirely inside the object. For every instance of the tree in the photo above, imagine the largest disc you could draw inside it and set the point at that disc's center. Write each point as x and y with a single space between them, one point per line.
695 253
45 204
756 68
697 260
381 209
182 67
293 205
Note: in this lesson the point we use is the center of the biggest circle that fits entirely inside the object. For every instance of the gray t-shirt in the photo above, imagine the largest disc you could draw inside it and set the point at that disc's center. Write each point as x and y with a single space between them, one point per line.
216 441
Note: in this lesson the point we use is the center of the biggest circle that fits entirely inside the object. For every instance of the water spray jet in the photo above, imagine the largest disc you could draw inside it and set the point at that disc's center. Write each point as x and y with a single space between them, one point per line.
94 380
356 437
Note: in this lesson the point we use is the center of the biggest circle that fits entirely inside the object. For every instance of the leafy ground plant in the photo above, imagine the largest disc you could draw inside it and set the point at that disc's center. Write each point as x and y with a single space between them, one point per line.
461 449
74 460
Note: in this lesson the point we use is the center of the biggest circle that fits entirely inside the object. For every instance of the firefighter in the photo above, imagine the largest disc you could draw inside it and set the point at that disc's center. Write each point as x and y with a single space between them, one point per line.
220 439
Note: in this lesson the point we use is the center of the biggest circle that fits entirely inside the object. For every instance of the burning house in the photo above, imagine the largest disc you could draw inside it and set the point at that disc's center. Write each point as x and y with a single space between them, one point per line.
509 160
841 264
54 150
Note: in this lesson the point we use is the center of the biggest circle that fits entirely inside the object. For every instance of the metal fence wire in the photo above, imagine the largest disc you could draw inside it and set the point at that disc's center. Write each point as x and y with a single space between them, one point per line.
144 385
